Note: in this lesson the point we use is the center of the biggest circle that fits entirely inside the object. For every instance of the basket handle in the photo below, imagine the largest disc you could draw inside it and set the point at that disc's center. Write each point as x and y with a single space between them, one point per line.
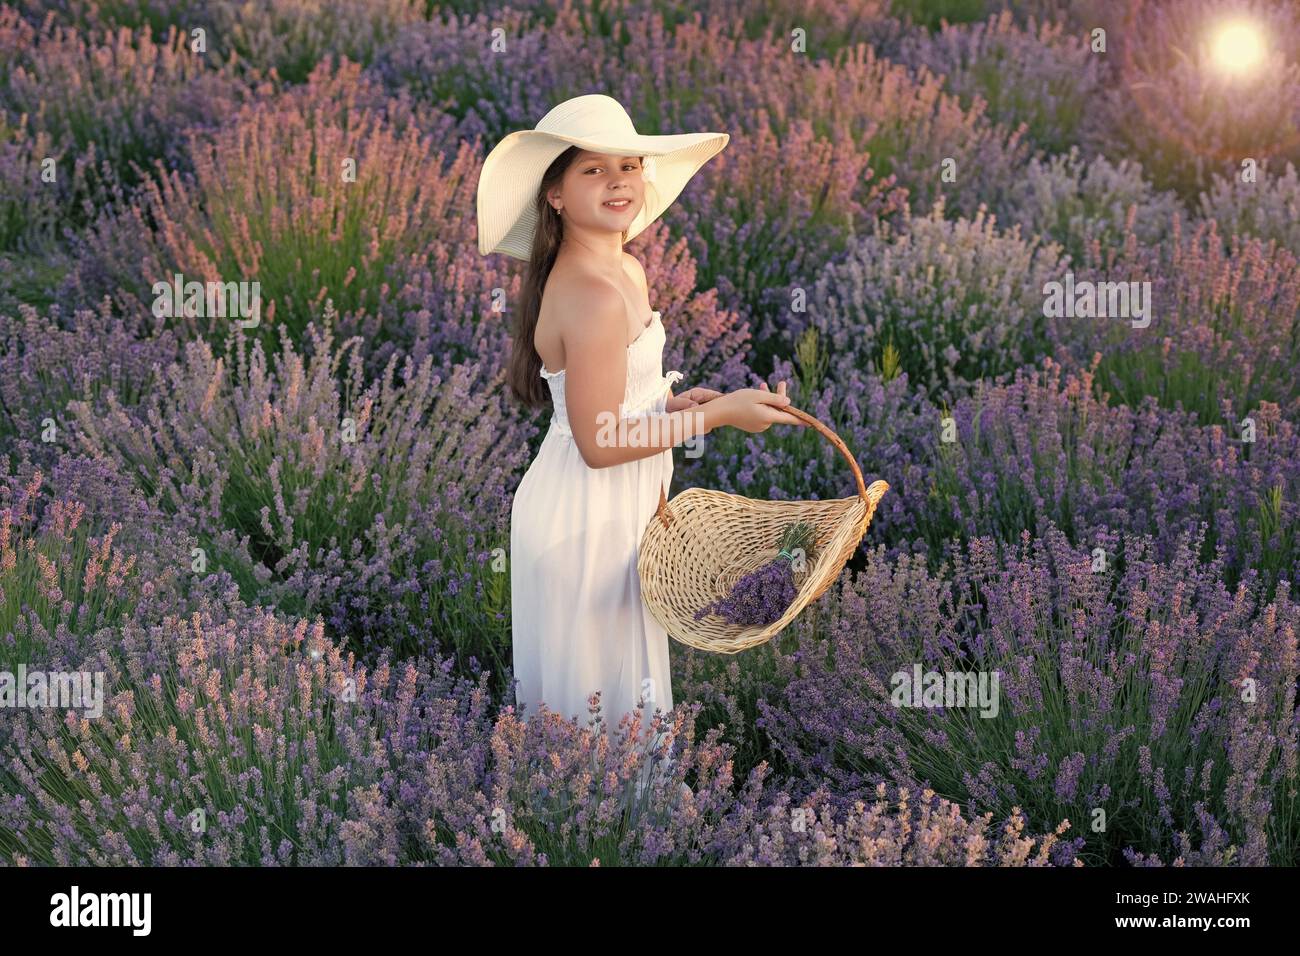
665 515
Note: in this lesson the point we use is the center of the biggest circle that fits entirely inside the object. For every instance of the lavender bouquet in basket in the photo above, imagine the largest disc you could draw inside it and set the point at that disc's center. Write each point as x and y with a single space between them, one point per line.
763 595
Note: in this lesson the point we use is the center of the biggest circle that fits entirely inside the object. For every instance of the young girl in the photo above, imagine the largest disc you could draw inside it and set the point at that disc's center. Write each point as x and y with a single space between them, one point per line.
566 197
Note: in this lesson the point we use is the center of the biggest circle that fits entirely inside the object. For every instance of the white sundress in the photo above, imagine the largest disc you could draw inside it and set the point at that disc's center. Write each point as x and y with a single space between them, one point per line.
578 622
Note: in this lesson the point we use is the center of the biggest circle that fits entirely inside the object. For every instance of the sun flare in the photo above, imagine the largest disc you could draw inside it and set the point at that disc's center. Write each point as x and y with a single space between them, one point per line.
1237 48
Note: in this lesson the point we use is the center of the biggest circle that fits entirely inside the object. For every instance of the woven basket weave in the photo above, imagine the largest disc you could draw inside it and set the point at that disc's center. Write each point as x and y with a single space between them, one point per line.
694 550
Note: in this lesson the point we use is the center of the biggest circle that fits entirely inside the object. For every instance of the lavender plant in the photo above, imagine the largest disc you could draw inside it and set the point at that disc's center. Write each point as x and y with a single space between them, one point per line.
907 124
56 574
35 209
357 197
1087 206
773 233
1268 207
1043 451
93 16
1222 335
257 755
457 59
48 359
17 37
292 37
931 833
959 301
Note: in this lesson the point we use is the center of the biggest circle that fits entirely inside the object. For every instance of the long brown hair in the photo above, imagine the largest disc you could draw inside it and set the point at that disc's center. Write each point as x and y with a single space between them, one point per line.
524 367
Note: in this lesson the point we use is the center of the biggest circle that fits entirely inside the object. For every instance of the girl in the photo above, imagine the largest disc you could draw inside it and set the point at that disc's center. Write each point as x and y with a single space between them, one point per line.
566 197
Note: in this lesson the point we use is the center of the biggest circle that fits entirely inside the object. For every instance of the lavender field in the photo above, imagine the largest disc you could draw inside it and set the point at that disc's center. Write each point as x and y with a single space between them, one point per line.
1036 262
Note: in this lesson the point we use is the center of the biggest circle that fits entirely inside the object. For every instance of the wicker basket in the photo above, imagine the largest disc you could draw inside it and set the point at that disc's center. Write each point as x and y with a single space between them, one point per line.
694 550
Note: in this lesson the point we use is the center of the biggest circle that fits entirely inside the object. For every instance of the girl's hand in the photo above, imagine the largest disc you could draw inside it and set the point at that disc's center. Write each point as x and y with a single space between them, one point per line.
690 398
755 409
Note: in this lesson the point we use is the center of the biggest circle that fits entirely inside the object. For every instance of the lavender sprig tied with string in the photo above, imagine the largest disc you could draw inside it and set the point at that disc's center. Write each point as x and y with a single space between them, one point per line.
763 595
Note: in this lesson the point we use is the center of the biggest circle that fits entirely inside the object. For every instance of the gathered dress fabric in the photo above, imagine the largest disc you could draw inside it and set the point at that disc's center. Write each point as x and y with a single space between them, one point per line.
579 624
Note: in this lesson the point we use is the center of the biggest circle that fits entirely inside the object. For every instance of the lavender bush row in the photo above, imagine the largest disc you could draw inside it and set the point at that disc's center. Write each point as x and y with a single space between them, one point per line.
55 574
320 760
1013 457
1038 74
1039 449
1268 207
379 505
906 125
97 16
46 360
34 213
286 37
957 301
931 833
493 85
84 550
548 53
251 740
766 221
130 96
293 37
1087 206
233 736
1223 324
1143 690
236 749
357 193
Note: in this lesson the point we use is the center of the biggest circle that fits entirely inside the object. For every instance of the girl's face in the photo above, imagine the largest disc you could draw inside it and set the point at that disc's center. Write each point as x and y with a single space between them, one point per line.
593 181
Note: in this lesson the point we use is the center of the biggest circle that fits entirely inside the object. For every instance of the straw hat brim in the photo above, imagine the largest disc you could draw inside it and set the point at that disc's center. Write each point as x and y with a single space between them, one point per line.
512 174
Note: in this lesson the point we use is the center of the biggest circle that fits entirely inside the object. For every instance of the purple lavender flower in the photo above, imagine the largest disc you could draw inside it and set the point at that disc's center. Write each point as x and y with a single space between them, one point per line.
762 596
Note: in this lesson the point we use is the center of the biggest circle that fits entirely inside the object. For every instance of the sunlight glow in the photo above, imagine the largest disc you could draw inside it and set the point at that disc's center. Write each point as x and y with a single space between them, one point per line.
1237 47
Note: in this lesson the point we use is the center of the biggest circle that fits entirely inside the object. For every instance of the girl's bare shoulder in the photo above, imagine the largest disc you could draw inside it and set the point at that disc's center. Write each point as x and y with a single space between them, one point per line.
637 271
574 294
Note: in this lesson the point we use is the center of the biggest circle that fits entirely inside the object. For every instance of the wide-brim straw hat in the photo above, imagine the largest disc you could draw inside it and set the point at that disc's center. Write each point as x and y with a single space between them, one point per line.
512 172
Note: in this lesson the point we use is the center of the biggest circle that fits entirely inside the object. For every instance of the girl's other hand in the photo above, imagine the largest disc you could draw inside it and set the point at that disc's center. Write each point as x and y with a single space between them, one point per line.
690 398
701 395
756 409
